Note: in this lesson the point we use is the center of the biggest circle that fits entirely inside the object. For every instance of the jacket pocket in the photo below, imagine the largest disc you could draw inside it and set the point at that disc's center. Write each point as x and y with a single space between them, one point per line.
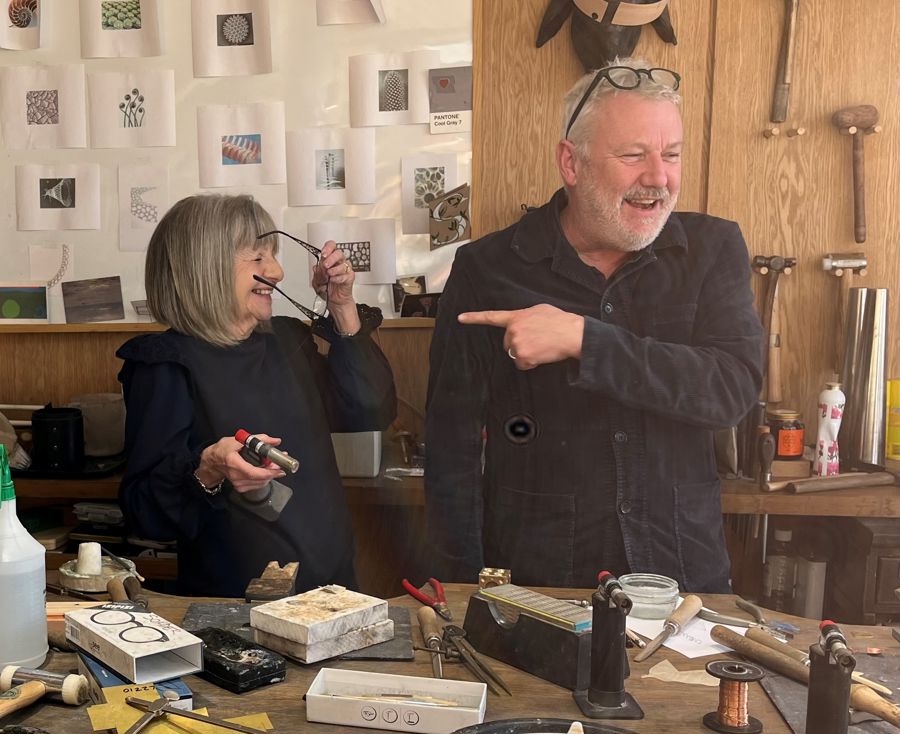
668 323
699 537
513 522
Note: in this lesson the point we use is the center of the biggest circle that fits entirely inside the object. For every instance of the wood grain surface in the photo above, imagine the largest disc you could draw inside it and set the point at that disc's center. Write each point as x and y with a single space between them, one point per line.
668 707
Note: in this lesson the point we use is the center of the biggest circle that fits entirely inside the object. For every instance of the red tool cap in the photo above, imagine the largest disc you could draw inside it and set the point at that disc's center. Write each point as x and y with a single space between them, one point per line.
825 623
602 575
241 435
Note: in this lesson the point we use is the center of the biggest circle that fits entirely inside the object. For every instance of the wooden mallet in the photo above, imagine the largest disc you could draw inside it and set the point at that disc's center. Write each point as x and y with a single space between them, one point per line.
23 686
858 121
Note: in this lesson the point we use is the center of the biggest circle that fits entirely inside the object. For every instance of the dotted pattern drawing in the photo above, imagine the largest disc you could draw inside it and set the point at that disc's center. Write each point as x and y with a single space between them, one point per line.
330 173
393 90
241 149
429 184
120 15
359 254
141 209
235 29
57 193
42 107
132 109
23 13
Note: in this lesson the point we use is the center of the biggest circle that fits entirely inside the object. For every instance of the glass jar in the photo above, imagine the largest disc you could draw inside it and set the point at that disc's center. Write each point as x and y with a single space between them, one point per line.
788 431
653 596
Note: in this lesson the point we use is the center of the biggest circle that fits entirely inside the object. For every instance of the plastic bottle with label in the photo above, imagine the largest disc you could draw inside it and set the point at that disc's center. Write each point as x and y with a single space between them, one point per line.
23 617
780 573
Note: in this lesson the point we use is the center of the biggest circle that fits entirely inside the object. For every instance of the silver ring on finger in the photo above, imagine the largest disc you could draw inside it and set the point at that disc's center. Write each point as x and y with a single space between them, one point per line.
511 354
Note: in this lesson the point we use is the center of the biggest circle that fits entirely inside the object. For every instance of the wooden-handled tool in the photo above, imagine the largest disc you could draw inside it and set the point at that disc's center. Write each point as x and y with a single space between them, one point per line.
764 638
858 121
785 62
431 636
773 266
675 622
23 686
861 697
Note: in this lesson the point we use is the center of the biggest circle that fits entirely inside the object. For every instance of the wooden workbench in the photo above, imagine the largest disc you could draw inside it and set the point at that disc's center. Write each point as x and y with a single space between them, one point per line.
668 707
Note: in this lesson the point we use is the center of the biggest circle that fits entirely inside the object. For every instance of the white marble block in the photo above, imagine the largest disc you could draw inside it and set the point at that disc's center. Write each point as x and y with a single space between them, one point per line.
316 651
317 615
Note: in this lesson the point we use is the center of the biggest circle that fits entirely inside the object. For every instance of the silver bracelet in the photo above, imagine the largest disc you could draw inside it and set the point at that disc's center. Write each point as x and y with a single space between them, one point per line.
211 491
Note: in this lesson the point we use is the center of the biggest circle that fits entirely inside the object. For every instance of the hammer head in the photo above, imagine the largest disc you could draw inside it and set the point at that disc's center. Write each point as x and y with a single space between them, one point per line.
863 116
73 689
775 263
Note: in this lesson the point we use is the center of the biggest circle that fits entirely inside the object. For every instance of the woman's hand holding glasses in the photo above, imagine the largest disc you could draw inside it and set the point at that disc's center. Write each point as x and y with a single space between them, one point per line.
332 281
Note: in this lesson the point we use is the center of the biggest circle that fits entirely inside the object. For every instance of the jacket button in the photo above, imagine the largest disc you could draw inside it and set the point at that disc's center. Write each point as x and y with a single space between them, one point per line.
621 436
608 308
625 507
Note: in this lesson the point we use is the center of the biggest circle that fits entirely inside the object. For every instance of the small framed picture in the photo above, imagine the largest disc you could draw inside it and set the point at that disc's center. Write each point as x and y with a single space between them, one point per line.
410 285
23 303
423 305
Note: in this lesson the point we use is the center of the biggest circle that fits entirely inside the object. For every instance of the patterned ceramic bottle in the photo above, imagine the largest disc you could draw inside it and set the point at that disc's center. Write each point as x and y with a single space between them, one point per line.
831 410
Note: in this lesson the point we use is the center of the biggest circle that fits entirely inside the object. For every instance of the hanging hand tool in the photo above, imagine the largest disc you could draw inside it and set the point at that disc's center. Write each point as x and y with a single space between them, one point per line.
861 698
438 602
455 642
431 635
785 62
765 638
858 121
673 625
161 707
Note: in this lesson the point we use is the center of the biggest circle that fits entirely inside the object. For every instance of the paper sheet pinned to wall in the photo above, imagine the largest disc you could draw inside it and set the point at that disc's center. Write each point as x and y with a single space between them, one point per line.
231 37
390 89
368 243
423 178
119 28
240 145
341 12
58 197
132 110
42 106
24 30
331 166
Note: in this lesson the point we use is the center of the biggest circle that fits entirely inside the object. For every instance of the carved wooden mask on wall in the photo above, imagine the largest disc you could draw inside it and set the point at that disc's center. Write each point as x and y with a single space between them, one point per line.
604 29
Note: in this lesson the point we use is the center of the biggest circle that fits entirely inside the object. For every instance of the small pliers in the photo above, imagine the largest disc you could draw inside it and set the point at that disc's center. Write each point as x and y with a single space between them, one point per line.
438 602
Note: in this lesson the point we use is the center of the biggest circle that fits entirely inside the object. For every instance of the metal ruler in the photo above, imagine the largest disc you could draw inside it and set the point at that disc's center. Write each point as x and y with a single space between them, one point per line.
560 613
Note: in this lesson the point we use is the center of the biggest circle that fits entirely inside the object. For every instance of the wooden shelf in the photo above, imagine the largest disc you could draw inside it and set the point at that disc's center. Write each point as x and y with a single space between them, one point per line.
152 326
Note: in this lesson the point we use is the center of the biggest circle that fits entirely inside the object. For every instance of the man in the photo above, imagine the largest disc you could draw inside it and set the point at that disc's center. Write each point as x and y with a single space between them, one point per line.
583 357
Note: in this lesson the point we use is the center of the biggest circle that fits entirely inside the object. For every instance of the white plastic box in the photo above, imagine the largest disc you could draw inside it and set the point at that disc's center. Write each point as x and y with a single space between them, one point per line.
357 698
358 454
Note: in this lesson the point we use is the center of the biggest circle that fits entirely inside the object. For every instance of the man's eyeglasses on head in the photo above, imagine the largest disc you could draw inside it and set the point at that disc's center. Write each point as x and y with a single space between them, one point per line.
625 77
320 306
311 249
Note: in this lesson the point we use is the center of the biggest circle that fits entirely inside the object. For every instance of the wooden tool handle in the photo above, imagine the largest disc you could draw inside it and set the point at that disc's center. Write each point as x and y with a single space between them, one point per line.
773 379
764 638
859 188
793 669
18 697
687 610
116 589
865 699
428 623
135 591
842 481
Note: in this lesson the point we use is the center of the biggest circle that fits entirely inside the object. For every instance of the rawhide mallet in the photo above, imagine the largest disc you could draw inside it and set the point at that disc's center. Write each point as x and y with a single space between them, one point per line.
858 121
23 686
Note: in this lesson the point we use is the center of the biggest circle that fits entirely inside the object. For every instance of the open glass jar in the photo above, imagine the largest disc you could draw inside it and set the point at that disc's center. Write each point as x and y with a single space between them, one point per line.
653 596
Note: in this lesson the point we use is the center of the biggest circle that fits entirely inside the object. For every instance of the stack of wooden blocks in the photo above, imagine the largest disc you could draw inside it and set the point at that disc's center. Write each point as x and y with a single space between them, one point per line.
321 623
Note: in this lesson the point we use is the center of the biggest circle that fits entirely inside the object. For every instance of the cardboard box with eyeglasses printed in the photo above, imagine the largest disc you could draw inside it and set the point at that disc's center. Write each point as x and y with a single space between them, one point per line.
137 644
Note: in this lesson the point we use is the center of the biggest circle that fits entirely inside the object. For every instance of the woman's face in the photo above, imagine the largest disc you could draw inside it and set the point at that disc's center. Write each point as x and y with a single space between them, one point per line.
254 299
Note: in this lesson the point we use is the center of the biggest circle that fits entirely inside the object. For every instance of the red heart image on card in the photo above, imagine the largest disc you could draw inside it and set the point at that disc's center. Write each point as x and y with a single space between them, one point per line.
444 82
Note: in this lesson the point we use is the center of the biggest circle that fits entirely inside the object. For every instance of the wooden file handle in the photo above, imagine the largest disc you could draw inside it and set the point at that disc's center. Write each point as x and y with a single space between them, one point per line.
865 699
116 589
135 591
18 697
764 638
841 481
428 623
859 187
688 609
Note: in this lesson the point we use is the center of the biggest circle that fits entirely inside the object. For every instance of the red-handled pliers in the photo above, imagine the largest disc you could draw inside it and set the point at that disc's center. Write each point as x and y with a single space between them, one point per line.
438 602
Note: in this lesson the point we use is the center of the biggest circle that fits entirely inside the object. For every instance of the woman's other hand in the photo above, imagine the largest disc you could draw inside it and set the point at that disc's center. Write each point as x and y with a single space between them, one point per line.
222 460
333 279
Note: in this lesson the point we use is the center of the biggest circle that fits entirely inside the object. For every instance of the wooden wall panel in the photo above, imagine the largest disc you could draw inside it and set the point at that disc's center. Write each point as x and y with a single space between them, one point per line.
518 101
793 196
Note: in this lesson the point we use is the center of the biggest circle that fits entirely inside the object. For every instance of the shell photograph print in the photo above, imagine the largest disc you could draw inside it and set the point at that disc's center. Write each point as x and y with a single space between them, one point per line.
57 193
120 15
239 150
393 90
23 13
132 109
330 174
42 107
235 29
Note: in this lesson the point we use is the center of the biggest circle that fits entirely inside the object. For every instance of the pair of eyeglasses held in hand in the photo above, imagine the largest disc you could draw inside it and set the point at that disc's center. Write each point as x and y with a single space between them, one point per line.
319 309
311 249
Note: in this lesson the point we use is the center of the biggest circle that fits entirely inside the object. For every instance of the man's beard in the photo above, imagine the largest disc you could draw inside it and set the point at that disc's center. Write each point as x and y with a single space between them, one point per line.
608 225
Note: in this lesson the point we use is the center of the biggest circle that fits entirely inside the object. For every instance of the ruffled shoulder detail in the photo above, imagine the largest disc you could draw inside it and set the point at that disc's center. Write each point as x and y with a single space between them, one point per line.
153 348
370 319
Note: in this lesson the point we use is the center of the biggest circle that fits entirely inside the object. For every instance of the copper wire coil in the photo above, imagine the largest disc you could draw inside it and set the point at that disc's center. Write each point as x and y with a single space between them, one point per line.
732 714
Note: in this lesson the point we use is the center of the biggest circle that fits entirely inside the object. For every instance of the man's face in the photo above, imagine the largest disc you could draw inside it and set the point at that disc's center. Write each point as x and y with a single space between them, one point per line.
629 182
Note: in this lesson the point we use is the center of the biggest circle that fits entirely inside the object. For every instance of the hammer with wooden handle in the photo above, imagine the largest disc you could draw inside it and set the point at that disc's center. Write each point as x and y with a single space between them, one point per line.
23 686
858 121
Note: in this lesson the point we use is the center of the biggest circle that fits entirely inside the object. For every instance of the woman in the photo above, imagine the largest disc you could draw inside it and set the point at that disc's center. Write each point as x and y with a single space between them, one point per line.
226 364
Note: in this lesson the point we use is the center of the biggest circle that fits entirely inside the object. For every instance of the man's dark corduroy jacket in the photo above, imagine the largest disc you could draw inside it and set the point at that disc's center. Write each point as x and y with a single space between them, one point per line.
606 462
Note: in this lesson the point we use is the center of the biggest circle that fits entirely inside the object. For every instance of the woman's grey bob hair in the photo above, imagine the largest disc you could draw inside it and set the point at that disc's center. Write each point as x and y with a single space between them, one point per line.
189 274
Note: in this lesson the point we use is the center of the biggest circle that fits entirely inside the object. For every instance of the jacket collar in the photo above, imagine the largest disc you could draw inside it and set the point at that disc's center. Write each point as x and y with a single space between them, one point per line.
539 233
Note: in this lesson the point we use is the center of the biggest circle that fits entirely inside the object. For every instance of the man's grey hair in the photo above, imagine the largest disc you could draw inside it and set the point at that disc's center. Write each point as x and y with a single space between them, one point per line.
189 276
579 135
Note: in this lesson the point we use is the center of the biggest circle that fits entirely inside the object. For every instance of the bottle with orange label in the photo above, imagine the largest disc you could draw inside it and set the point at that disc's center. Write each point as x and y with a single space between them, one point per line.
789 432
